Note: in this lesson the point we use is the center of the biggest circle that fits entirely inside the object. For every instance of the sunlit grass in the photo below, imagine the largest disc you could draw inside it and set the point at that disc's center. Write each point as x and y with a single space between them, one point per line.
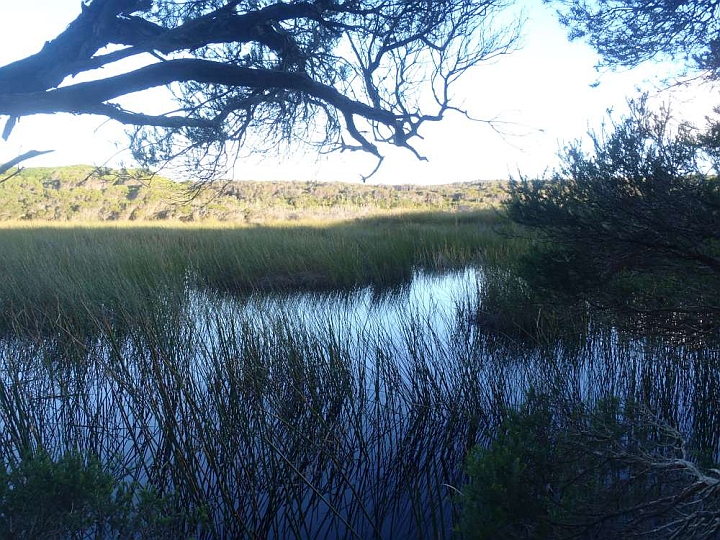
265 426
139 346
70 268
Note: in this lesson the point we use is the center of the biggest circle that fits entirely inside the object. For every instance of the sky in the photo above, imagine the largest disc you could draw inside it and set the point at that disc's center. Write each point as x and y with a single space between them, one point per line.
547 94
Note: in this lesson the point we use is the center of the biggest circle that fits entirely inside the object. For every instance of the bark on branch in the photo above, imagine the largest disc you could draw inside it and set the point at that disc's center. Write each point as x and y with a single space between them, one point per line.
91 97
23 157
281 71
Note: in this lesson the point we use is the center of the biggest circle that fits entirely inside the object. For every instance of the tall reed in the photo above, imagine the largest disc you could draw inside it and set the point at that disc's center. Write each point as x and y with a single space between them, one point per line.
266 424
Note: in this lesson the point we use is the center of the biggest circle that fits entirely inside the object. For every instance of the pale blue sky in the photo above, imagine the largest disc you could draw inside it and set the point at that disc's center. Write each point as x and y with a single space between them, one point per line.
546 92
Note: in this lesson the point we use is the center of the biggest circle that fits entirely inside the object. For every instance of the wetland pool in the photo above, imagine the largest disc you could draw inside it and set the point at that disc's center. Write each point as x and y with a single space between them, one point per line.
319 415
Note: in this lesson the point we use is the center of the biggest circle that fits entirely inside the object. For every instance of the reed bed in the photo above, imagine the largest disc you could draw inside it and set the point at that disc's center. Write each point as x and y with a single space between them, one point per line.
261 424
64 271
154 357
267 427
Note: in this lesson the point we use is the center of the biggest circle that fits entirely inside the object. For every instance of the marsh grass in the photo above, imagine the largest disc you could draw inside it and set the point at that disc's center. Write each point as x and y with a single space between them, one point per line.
261 424
264 425
221 417
267 426
53 272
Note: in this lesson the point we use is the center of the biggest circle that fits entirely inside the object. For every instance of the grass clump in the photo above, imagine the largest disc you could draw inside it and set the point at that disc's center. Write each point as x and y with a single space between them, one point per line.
559 470
70 271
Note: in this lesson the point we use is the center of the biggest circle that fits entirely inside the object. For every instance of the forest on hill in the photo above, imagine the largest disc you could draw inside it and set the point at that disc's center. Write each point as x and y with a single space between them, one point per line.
86 193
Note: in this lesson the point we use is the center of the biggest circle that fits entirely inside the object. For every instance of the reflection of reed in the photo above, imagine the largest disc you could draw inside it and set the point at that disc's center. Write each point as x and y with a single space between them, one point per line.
273 426
270 425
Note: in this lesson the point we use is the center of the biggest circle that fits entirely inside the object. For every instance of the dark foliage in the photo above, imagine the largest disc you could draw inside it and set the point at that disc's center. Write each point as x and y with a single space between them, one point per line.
78 496
559 471
628 32
633 225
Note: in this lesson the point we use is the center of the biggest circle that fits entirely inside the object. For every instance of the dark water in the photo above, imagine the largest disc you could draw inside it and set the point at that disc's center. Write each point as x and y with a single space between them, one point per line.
320 415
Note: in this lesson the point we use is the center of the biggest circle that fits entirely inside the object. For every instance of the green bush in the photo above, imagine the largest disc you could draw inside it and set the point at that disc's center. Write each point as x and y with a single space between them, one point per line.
568 471
42 498
632 225
76 496
507 496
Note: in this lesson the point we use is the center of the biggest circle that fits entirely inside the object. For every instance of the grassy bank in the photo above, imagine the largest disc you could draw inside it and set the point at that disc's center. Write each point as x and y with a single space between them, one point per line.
147 388
69 270
176 417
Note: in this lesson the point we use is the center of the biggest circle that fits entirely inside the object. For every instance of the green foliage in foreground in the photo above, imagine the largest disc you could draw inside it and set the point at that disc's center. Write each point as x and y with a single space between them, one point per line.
46 499
632 226
77 496
83 193
558 471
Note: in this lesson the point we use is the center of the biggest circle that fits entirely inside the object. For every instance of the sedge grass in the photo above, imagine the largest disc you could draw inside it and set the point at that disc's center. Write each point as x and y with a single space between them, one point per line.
124 344
272 427
46 272
262 424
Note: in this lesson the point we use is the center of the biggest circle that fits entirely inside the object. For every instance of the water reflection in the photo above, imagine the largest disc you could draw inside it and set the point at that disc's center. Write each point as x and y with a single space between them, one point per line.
320 415
430 297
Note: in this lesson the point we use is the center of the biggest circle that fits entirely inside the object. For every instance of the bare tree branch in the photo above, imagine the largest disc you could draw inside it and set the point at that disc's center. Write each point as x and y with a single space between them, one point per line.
24 157
279 71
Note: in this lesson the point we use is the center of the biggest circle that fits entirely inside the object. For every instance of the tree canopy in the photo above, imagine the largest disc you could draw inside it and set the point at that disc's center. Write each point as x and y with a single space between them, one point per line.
628 32
631 225
337 74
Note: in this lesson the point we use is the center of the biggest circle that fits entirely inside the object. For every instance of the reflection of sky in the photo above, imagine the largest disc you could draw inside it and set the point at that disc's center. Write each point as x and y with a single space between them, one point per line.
431 298
431 313
479 370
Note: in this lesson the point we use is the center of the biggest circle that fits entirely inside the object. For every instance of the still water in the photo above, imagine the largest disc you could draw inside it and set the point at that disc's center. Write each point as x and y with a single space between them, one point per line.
308 415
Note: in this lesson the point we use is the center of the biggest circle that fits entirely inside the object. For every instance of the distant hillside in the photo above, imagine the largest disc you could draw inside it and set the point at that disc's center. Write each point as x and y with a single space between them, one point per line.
84 193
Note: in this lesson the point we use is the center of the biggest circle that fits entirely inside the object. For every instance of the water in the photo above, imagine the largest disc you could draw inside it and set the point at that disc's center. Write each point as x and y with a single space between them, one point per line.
432 298
320 415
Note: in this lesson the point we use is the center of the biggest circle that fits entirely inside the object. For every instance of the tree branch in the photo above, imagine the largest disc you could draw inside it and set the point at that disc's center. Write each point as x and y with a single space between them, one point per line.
271 68
27 155
89 97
